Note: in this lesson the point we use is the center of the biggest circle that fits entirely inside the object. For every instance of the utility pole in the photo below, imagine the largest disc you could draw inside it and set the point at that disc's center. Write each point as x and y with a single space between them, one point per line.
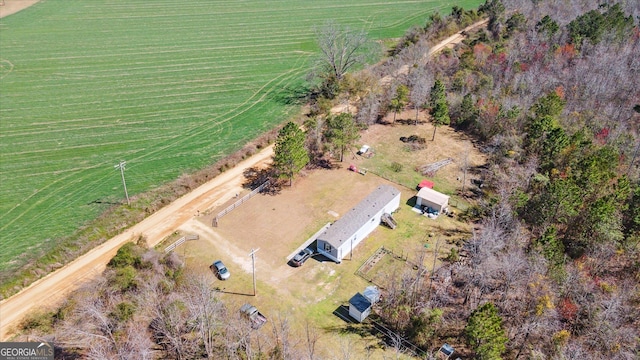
465 165
121 167
253 264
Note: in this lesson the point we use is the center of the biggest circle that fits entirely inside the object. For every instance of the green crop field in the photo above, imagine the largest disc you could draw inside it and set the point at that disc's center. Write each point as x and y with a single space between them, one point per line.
168 86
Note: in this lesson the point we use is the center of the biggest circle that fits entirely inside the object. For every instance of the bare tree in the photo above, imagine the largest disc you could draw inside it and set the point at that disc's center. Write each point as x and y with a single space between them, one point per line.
420 82
206 312
312 337
346 348
285 345
369 109
170 327
136 342
341 50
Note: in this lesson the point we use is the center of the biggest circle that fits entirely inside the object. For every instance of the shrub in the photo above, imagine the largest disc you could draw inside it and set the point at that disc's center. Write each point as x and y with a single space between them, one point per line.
125 278
123 311
396 166
41 321
453 255
128 255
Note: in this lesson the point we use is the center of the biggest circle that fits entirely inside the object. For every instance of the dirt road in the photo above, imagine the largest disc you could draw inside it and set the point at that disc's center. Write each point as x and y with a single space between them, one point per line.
448 42
52 289
9 7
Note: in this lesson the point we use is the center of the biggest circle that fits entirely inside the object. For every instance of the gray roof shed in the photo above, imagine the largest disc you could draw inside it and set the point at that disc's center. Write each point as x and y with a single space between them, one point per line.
360 302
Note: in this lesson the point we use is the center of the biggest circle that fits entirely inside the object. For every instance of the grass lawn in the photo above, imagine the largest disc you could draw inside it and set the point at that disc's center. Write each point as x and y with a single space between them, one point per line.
167 86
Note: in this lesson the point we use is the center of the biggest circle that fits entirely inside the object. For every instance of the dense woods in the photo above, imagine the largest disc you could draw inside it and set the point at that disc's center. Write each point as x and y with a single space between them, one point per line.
551 91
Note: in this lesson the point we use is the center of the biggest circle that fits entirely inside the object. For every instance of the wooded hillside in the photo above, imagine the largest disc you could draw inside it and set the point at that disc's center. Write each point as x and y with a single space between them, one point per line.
552 92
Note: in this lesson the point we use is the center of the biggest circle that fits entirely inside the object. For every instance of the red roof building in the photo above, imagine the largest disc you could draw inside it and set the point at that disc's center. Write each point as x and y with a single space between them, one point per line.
425 183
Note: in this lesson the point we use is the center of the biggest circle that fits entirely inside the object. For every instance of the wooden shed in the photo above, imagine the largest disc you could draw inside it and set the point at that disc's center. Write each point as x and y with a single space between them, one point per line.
348 231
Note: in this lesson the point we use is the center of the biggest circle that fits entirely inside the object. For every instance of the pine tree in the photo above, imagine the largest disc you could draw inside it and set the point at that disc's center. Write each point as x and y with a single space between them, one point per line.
342 132
290 153
440 107
485 333
400 100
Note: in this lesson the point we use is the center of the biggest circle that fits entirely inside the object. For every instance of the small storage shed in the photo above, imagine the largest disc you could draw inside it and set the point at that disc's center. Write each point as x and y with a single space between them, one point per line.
359 307
372 294
433 199
347 232
445 351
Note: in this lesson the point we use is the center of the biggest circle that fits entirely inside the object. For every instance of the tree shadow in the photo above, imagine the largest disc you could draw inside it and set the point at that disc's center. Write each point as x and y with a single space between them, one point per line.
105 202
218 289
410 122
373 327
257 176
323 163
293 94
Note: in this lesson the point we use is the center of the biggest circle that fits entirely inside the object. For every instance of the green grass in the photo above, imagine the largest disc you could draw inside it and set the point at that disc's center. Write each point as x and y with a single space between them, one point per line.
168 86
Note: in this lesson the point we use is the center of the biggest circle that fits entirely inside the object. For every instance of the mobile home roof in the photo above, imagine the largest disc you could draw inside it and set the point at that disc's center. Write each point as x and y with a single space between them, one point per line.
347 225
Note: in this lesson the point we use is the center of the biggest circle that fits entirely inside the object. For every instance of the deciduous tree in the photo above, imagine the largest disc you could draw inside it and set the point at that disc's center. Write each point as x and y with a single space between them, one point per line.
341 50
420 81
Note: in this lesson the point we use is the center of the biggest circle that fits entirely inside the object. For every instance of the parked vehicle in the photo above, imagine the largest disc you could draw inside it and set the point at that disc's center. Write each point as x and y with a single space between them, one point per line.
301 257
220 270
252 314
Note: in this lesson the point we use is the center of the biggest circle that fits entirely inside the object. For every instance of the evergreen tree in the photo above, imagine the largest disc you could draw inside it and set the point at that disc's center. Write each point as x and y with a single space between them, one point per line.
440 107
342 131
438 92
290 153
495 10
485 333
468 112
400 100
548 26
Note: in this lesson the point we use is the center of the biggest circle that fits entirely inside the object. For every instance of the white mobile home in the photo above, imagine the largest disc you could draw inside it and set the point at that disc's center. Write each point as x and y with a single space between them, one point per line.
347 232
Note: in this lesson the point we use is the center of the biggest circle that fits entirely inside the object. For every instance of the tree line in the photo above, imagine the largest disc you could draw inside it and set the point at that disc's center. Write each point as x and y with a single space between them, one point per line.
552 93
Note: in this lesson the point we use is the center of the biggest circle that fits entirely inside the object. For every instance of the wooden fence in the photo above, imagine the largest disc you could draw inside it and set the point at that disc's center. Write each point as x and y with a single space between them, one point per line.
244 199
180 242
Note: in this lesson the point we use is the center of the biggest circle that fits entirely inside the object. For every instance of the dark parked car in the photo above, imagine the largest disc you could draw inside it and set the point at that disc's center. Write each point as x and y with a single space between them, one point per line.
301 257
220 270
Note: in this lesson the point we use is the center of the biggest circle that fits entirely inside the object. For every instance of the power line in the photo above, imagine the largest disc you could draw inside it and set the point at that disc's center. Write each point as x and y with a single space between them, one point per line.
124 184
